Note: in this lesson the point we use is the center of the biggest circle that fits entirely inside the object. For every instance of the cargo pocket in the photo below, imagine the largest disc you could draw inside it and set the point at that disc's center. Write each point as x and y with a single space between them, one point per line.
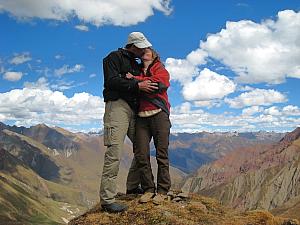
107 136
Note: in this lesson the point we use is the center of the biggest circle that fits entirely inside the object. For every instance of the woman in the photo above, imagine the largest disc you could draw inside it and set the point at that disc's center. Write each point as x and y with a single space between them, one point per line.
153 121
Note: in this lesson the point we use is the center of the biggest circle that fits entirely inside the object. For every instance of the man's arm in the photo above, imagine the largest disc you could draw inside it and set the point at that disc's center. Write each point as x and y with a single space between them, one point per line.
112 76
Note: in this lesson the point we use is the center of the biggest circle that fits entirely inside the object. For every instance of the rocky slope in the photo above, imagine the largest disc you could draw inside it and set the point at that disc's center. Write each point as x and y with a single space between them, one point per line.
265 177
195 210
27 198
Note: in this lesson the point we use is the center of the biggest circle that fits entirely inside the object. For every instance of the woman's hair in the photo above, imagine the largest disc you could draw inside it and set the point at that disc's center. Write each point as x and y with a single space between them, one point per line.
155 55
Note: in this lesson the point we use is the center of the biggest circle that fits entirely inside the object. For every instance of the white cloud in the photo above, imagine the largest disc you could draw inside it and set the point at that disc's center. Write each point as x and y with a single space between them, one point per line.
97 12
92 75
291 110
58 56
57 85
259 52
12 76
30 106
252 110
242 4
208 85
183 70
91 47
197 57
21 58
207 103
62 85
42 83
274 111
244 88
82 28
67 69
187 118
256 97
266 52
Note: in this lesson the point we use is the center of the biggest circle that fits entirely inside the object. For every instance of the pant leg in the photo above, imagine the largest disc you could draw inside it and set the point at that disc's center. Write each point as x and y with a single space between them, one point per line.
160 126
134 174
116 122
142 153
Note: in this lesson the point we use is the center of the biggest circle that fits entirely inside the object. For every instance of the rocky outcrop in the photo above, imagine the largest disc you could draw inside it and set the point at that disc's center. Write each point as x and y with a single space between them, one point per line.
261 189
195 210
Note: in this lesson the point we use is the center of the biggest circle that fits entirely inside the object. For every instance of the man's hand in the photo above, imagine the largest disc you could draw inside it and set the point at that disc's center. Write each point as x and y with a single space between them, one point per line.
129 75
147 86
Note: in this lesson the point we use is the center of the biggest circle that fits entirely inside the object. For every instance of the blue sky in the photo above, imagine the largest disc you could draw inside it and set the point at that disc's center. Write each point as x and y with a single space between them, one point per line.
234 65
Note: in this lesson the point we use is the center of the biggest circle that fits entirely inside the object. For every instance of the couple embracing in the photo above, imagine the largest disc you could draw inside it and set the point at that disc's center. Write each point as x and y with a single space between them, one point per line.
136 105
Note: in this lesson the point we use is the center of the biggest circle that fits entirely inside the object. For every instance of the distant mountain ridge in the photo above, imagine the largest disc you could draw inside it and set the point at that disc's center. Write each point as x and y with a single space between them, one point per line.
189 151
52 138
262 176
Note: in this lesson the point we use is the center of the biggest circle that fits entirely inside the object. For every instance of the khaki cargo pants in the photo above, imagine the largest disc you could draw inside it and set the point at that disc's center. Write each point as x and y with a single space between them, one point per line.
119 121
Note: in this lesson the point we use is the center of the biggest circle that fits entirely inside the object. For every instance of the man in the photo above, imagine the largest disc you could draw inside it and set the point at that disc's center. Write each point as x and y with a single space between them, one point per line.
121 103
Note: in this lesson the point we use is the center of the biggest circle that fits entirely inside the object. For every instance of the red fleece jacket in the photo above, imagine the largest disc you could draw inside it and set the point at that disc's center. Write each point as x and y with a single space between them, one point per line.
156 72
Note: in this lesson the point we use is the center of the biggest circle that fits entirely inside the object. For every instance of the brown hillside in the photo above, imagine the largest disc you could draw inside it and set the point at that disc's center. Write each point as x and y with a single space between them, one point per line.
255 178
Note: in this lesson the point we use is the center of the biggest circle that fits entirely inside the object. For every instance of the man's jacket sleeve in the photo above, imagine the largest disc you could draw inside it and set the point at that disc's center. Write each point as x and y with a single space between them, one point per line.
113 77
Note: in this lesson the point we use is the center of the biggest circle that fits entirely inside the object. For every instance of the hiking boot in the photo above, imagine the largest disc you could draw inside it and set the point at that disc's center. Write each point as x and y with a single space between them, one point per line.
137 191
159 198
146 197
114 207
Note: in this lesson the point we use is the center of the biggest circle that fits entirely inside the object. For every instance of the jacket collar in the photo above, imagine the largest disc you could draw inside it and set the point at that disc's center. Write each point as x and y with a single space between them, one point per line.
127 53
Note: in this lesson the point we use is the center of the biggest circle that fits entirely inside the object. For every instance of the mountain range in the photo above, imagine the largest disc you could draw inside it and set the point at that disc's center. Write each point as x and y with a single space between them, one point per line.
264 176
57 170
50 175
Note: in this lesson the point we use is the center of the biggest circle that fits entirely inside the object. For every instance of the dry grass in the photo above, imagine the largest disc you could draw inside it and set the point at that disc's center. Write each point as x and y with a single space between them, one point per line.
196 210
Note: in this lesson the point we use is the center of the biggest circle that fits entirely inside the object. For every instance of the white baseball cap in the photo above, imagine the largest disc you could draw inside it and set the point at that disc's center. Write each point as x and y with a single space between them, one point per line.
138 39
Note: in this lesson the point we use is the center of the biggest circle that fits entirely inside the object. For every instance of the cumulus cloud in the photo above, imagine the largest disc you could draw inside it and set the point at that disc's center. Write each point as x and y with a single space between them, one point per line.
20 58
97 12
256 97
208 85
34 105
274 111
259 52
41 83
252 110
82 28
291 110
266 52
12 76
67 69
183 70
187 118
201 86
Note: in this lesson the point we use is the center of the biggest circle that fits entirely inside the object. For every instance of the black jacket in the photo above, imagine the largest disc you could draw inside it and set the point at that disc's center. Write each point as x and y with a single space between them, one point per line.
115 67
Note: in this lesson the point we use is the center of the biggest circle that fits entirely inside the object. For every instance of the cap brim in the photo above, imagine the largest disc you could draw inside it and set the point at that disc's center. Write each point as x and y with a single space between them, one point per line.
143 44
